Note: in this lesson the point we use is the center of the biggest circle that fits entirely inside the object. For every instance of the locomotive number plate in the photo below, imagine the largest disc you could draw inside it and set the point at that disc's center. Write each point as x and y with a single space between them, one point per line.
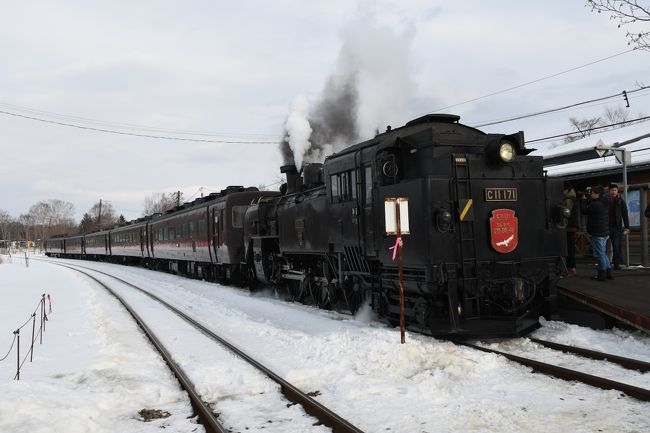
501 194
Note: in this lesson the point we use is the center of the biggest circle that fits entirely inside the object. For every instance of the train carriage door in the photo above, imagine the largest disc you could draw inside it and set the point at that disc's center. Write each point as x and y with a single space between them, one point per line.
147 238
216 230
368 221
143 231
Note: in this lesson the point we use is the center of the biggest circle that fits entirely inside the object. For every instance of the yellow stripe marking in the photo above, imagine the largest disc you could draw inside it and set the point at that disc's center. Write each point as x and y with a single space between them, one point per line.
467 206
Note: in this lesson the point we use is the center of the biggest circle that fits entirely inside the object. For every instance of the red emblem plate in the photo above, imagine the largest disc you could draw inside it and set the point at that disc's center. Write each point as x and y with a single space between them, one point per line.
504 235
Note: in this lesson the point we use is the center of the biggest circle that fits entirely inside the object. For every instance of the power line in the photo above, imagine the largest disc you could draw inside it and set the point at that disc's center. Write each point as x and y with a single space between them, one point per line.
623 95
160 137
73 118
533 81
640 119
272 184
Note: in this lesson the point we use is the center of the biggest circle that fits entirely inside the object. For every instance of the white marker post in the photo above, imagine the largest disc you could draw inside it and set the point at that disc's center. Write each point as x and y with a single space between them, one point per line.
396 212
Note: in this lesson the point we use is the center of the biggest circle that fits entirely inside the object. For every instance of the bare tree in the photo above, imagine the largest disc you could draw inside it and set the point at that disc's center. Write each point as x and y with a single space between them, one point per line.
616 115
52 217
629 14
103 214
583 127
27 221
5 221
159 202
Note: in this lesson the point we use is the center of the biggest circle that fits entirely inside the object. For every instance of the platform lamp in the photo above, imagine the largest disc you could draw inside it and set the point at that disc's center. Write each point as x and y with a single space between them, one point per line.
396 210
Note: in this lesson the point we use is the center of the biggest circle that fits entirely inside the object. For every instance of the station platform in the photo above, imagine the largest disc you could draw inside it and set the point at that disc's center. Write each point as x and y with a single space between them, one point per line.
626 298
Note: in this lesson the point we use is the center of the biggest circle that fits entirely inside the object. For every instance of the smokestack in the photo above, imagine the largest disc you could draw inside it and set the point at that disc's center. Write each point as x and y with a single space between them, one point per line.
294 180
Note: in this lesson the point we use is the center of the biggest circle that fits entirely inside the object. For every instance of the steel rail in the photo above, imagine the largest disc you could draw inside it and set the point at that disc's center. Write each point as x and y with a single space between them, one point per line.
568 374
208 419
629 363
324 415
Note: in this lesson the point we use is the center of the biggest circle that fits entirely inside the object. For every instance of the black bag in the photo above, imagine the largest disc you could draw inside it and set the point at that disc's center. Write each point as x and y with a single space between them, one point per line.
647 211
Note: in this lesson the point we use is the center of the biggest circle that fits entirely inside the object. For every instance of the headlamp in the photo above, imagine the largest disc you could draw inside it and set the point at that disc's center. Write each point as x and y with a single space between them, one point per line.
506 152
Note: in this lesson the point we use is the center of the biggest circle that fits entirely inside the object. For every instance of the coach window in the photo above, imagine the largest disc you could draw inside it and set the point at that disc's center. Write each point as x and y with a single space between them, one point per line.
238 216
192 233
334 185
201 228
353 185
344 186
368 184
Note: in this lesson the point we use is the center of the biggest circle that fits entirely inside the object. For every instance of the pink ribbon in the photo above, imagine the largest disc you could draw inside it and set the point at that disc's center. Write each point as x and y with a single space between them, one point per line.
398 243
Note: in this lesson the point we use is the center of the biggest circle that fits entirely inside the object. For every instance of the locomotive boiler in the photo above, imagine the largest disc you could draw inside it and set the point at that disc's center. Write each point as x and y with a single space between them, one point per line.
486 230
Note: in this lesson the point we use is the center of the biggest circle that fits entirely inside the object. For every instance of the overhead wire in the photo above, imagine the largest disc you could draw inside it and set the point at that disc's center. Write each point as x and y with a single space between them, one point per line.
534 81
595 128
224 141
123 125
622 94
160 137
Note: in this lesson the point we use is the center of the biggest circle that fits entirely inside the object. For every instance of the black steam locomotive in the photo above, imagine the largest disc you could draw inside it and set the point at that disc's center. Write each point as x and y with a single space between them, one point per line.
481 257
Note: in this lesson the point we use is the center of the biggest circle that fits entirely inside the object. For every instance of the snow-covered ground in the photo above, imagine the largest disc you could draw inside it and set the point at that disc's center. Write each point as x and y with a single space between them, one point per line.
94 372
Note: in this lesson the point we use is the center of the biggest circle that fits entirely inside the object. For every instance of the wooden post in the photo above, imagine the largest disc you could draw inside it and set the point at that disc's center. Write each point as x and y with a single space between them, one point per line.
41 324
400 273
18 355
31 356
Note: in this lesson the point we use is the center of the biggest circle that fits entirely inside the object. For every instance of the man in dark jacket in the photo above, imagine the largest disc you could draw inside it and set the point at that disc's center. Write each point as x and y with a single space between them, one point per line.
619 224
597 211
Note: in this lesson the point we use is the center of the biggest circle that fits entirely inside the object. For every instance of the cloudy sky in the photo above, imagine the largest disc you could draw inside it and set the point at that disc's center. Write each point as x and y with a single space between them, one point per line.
229 71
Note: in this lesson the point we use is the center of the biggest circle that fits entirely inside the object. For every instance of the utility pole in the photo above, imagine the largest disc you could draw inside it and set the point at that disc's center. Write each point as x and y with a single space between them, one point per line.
99 219
178 198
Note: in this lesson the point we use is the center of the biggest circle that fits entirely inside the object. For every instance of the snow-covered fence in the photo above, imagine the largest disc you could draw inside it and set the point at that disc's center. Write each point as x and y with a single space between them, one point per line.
43 310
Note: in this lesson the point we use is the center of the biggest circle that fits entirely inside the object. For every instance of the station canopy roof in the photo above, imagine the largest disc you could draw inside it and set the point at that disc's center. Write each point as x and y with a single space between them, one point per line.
578 159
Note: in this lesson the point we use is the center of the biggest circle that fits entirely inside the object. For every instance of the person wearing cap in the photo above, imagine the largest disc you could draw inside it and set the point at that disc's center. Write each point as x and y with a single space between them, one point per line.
619 223
597 210
571 228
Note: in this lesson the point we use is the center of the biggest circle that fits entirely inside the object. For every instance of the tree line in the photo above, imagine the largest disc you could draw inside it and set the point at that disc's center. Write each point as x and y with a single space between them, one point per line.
53 217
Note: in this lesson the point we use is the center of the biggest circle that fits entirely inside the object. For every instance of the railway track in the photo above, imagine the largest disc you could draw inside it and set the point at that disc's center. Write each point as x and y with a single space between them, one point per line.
629 363
575 375
322 414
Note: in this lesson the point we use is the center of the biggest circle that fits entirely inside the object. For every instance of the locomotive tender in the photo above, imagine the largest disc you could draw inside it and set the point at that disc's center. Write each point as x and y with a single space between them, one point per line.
483 254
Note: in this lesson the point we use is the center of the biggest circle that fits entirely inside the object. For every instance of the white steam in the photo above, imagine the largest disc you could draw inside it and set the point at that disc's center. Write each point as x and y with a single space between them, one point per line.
298 129
371 87
379 55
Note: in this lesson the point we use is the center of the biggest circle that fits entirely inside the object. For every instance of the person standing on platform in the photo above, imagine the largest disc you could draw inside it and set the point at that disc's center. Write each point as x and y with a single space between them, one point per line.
570 203
619 224
596 207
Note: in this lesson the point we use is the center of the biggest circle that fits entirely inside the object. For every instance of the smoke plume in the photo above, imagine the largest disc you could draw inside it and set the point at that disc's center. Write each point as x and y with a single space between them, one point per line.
371 88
